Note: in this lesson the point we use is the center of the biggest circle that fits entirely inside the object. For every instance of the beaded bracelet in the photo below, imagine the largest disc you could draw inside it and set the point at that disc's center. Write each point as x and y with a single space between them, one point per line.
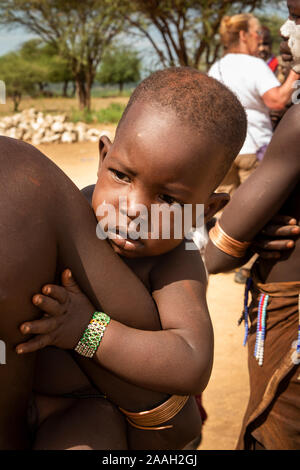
91 338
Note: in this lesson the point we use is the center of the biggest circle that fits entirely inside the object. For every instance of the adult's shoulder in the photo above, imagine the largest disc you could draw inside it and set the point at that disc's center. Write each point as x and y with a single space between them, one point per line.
293 114
284 146
289 125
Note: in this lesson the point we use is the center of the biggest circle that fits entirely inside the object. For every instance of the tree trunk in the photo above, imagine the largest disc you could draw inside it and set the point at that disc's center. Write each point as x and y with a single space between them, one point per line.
73 93
16 100
121 85
83 89
65 88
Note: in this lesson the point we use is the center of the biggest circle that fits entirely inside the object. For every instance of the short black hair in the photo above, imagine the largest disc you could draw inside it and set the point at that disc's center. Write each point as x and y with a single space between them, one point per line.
201 102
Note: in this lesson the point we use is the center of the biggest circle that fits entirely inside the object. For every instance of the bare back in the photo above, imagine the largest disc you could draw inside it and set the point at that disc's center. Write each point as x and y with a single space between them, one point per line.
41 226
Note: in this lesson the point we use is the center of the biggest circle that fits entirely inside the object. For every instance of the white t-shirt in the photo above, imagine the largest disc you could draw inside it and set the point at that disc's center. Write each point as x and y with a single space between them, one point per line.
249 78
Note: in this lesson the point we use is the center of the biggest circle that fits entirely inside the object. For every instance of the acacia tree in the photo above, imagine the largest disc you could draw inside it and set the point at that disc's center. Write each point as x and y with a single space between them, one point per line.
183 32
56 69
119 65
20 76
79 31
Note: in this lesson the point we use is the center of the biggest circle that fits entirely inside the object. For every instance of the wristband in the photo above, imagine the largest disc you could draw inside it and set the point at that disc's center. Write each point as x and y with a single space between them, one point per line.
91 338
226 243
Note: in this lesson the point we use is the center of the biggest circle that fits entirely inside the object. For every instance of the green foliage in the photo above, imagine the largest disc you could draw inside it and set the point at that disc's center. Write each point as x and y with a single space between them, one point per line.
84 115
119 66
274 23
112 114
110 92
78 30
20 76
55 68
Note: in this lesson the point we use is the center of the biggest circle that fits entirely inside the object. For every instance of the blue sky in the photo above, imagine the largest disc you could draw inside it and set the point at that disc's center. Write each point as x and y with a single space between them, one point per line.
11 40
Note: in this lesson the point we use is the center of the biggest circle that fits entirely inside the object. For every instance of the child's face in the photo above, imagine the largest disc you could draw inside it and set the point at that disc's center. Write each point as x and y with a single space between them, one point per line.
155 159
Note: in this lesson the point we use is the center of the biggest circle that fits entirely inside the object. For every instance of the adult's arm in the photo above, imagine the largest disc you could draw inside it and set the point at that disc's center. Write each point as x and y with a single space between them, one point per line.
258 199
277 98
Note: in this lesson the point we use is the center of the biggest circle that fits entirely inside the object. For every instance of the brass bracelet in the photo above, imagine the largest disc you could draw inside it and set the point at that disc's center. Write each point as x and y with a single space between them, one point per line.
226 243
152 419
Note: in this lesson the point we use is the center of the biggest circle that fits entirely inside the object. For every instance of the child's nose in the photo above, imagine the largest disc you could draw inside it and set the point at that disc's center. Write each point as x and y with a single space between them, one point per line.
137 206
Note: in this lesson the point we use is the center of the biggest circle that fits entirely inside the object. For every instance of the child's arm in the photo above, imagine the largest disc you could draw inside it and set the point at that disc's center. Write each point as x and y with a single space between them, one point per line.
177 359
263 193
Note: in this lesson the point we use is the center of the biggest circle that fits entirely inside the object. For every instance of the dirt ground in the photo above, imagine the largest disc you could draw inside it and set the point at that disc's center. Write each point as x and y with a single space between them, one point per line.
225 397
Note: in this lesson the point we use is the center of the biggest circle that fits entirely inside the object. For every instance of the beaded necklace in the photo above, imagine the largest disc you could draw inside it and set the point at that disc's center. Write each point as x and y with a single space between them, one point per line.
261 329
261 322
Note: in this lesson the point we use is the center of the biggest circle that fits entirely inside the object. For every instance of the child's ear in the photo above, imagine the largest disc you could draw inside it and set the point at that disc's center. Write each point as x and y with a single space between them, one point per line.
215 203
104 146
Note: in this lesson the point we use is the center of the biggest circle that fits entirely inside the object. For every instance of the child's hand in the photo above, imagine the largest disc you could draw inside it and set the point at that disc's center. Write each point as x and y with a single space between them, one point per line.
67 314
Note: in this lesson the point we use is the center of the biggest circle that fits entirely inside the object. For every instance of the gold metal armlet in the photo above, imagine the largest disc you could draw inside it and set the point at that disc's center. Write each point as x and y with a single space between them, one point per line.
226 243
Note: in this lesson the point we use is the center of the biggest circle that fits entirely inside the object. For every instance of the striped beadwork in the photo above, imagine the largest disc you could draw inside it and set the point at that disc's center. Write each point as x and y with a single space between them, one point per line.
261 328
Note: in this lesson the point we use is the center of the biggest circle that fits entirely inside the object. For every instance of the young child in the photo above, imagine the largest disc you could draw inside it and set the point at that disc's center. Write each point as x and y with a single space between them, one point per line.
175 142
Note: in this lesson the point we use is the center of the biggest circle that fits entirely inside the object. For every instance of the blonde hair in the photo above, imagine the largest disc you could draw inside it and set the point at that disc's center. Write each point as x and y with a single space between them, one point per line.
231 26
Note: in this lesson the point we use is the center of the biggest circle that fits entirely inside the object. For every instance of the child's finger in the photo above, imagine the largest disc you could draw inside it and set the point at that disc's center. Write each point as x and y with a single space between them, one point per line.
42 326
34 344
69 282
56 292
48 305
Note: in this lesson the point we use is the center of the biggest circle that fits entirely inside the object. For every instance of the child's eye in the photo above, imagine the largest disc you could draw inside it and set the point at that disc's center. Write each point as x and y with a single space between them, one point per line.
119 176
170 200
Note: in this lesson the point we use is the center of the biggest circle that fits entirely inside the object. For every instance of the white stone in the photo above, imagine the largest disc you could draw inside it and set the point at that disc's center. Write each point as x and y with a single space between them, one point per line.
68 137
57 126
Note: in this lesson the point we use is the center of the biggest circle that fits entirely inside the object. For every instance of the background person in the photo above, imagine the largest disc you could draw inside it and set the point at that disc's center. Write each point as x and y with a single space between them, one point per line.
259 91
265 50
278 67
256 86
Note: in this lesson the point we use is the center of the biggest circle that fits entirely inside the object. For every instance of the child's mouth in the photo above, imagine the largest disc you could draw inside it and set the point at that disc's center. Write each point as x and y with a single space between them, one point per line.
122 241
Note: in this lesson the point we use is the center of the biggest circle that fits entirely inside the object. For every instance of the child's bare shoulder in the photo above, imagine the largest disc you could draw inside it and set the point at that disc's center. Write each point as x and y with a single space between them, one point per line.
180 264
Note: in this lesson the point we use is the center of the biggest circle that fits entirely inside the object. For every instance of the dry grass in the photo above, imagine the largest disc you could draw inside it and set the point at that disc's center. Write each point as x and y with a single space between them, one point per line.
58 104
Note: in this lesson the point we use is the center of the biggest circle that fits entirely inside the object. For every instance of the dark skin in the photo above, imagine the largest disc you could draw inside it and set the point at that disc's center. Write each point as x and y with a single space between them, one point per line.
272 189
176 280
53 238
281 183
265 46
176 265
